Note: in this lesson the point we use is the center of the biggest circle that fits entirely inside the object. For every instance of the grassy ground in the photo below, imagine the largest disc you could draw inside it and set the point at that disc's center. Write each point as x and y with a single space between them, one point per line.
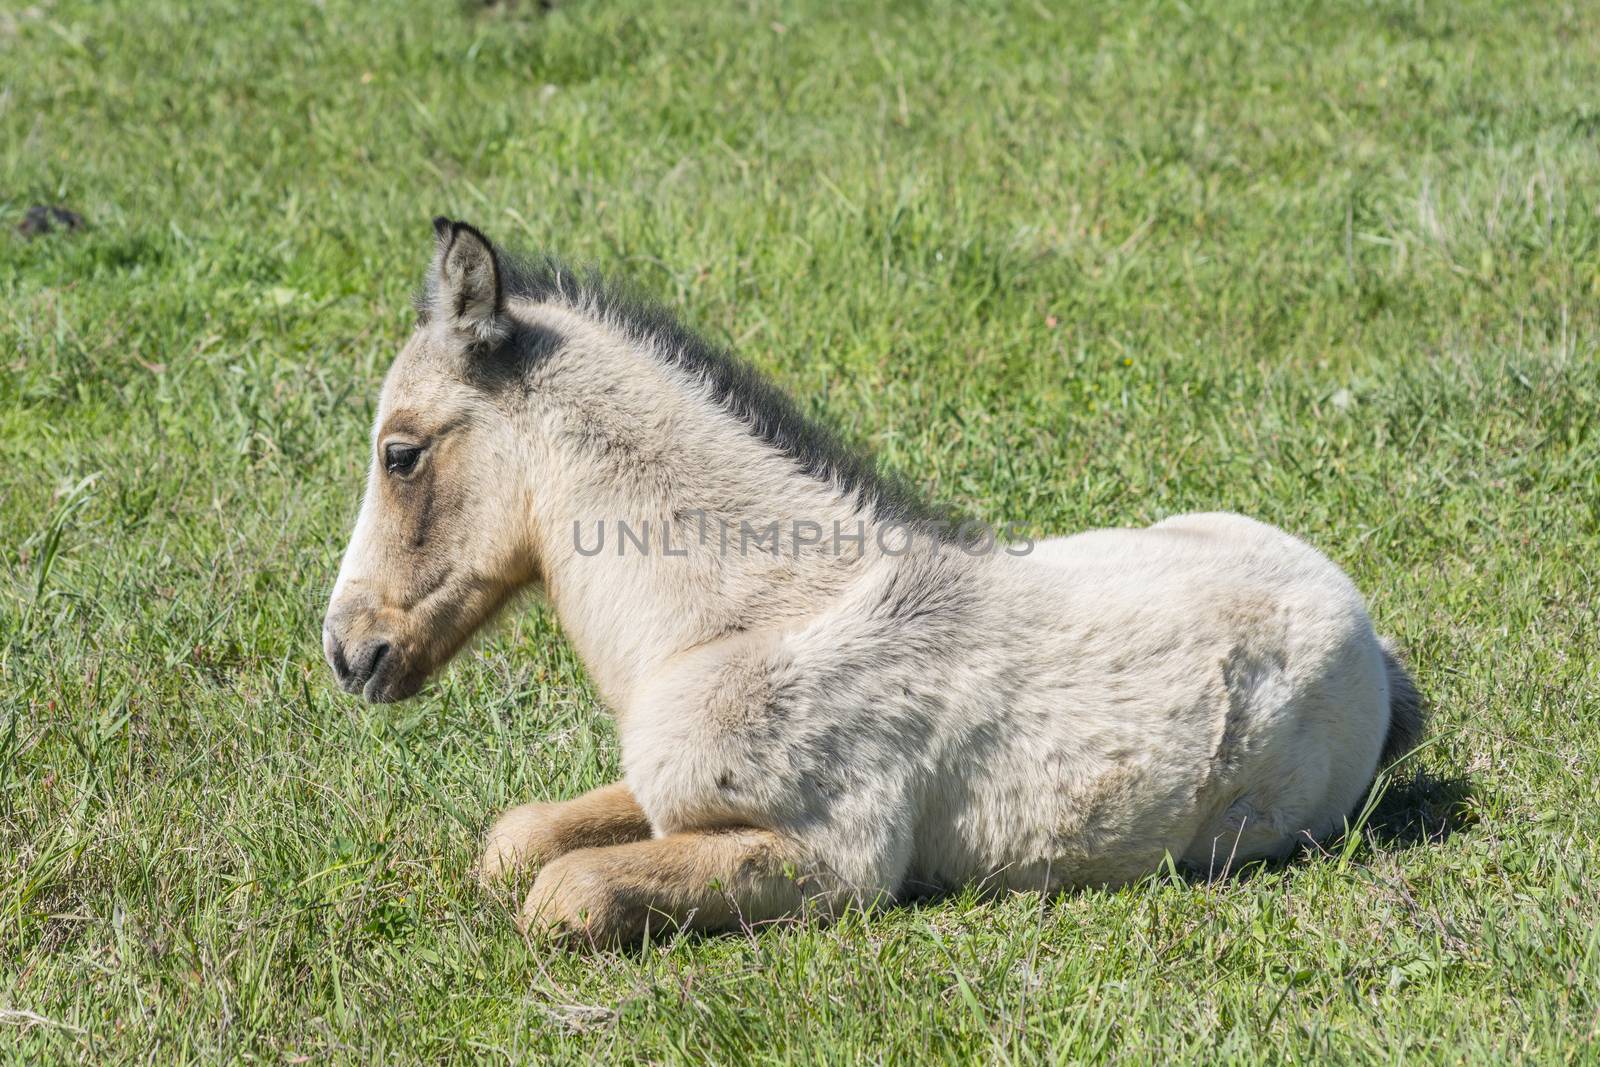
1334 265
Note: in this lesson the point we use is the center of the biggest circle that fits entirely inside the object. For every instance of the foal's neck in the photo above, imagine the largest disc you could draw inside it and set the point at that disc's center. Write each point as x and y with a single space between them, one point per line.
663 519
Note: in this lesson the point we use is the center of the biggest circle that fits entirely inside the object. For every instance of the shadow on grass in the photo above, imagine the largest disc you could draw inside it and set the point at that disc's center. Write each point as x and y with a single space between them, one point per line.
1423 809
1420 809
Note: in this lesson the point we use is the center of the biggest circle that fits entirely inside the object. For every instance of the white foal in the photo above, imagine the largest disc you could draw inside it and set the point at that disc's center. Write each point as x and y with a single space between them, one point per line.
822 694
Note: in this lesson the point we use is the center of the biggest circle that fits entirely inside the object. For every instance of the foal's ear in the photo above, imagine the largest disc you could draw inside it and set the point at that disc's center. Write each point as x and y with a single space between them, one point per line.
464 285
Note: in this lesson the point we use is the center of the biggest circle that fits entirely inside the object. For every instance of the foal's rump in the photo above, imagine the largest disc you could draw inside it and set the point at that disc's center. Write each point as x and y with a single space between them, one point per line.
1263 684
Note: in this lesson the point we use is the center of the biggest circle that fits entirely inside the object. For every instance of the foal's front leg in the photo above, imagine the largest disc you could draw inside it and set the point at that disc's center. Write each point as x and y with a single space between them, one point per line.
534 834
705 880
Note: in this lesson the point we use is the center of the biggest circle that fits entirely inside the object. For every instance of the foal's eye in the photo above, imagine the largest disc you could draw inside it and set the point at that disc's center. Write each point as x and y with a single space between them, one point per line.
399 459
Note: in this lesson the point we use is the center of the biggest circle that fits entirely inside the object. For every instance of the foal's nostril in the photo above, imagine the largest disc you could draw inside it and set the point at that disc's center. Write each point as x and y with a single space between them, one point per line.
374 656
363 663
353 665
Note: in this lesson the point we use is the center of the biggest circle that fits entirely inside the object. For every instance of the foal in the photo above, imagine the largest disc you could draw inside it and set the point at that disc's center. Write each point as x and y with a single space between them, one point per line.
822 694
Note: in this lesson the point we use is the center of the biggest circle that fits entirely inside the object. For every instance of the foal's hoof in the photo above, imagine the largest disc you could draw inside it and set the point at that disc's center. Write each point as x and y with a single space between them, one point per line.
519 838
573 899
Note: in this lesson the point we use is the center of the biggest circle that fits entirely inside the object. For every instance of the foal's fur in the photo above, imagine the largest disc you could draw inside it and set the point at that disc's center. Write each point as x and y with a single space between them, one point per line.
828 722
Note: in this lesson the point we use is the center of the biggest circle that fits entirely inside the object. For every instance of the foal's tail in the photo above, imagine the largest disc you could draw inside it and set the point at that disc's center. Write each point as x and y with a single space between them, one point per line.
1405 708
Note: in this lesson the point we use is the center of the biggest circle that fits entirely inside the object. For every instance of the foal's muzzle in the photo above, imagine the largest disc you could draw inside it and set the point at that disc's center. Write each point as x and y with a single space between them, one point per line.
370 664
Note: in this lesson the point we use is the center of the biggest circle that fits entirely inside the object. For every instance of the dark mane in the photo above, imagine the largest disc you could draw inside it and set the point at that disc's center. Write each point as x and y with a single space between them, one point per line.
746 394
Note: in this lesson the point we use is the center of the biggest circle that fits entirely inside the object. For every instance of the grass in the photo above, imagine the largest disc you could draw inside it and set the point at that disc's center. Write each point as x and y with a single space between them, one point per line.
1336 266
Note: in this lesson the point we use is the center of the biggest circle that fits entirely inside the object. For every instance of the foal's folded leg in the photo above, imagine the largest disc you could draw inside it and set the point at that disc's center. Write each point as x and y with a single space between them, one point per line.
704 880
533 834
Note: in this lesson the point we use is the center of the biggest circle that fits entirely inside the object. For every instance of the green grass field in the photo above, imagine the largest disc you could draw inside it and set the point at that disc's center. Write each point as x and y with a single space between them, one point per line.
1336 266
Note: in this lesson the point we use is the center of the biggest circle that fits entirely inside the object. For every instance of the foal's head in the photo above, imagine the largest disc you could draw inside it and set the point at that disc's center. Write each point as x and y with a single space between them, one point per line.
443 537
